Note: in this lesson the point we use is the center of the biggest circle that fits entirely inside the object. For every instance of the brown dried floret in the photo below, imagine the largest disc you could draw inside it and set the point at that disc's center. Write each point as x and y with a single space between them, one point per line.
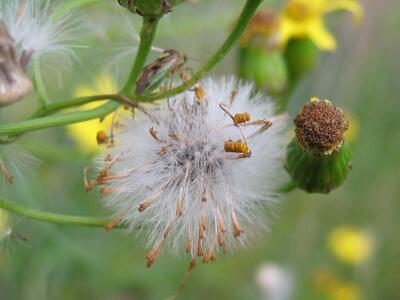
265 24
320 126
14 84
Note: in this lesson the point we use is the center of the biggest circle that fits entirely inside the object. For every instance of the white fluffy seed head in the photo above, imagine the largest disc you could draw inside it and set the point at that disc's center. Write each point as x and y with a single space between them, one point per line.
170 172
36 30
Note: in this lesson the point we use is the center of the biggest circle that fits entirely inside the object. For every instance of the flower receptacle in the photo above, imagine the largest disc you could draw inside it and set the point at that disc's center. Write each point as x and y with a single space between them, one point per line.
318 159
150 8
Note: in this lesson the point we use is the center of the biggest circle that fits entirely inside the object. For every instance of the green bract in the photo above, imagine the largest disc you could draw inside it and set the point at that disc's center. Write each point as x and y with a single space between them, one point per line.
266 68
301 56
150 8
317 173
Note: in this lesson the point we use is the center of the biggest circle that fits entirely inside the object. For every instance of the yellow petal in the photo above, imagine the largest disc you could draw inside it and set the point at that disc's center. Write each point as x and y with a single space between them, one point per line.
319 34
350 245
291 29
85 133
350 5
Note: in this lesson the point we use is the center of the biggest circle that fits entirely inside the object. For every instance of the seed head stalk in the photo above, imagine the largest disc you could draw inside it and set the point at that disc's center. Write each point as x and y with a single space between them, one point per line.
147 36
41 121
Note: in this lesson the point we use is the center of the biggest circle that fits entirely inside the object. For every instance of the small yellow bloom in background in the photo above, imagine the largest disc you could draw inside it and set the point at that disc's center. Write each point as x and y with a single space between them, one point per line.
305 19
85 133
345 291
335 288
350 245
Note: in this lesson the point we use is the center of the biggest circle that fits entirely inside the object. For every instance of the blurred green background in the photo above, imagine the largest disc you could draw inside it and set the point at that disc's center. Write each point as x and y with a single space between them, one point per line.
362 76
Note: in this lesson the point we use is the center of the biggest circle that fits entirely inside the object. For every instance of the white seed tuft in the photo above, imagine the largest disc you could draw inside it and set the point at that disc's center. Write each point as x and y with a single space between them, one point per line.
196 173
36 30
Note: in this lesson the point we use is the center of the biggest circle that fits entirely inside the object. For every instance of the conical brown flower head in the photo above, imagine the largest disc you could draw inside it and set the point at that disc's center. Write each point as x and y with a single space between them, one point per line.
14 84
320 126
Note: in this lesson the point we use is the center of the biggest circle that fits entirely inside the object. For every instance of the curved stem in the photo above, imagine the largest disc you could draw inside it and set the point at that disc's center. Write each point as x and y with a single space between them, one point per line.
18 209
245 17
43 98
58 120
147 36
60 105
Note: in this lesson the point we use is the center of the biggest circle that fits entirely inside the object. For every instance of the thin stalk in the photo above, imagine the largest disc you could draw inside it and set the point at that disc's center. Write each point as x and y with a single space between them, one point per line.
147 36
48 217
43 98
58 120
60 105
245 17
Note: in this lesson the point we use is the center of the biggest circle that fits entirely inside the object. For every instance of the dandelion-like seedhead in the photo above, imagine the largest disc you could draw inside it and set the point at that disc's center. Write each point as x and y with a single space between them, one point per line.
36 30
196 173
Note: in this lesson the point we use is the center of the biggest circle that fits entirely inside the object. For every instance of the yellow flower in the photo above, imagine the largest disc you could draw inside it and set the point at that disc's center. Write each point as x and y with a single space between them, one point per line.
350 245
345 291
335 288
85 133
304 19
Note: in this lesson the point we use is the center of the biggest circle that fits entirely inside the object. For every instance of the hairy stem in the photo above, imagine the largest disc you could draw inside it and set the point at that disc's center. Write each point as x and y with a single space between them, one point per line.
18 209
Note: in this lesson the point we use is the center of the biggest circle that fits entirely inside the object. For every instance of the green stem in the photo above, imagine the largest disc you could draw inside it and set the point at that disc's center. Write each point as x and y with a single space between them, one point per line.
18 209
58 120
245 17
43 98
147 37
60 105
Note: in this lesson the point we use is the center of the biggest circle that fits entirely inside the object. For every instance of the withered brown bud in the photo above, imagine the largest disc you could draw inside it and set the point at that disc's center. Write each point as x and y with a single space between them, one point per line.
320 126
263 29
14 84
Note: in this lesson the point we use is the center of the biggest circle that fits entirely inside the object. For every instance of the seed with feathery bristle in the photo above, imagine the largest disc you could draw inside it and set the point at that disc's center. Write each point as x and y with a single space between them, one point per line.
183 184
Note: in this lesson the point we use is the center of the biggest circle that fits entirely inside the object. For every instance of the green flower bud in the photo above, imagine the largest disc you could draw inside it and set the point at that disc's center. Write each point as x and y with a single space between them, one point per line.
267 69
318 159
150 8
301 56
261 59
